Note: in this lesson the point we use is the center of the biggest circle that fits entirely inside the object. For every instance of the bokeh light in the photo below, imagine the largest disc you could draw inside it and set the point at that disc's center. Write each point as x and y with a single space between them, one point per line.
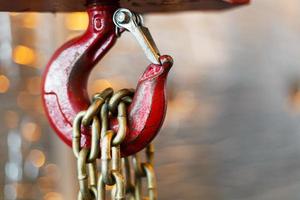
37 158
29 20
24 100
10 191
33 85
38 105
99 85
11 119
23 55
183 105
14 14
76 21
45 184
53 172
4 84
31 131
53 196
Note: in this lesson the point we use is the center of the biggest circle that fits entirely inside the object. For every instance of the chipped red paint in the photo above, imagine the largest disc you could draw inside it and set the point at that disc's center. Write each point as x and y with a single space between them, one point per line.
65 82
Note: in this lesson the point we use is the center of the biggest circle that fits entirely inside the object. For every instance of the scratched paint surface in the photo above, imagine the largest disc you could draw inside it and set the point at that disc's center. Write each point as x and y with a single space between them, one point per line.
231 131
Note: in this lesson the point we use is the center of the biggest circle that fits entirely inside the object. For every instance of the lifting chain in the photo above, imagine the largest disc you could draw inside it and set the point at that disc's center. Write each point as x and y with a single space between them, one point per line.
115 173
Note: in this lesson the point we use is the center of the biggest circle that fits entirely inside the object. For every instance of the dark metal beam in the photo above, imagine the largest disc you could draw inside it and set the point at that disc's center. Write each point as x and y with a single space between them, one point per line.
136 5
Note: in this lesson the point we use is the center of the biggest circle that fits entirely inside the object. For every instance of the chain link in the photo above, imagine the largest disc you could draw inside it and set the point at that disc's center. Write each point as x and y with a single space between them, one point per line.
145 170
106 157
116 173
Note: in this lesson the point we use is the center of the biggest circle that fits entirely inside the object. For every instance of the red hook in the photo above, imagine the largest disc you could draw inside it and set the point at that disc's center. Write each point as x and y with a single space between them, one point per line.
66 75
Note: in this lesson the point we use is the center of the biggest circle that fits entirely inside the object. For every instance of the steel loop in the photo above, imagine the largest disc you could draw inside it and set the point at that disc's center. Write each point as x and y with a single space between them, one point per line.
115 171
101 192
137 166
150 153
151 181
116 158
104 119
95 140
122 120
127 176
127 100
93 175
146 170
76 141
82 173
138 187
95 107
105 94
117 98
92 111
93 191
106 170
138 175
118 191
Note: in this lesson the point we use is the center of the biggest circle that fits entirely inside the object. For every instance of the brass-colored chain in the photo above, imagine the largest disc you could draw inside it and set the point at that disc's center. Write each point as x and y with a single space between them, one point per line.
115 172
86 176
145 170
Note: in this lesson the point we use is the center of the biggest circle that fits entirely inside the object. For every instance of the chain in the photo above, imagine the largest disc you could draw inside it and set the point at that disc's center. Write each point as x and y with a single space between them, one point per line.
133 167
116 173
145 170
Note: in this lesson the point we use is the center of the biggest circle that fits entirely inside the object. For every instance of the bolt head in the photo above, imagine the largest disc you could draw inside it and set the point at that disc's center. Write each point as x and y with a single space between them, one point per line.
122 17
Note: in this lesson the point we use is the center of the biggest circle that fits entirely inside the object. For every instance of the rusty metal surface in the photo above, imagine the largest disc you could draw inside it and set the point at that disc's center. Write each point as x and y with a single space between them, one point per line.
136 5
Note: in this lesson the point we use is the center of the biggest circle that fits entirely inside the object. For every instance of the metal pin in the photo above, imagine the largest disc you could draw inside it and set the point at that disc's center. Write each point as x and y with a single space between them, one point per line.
124 18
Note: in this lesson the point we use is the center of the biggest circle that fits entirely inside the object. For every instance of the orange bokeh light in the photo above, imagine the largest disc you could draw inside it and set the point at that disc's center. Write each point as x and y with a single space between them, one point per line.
77 21
4 84
37 158
31 132
23 55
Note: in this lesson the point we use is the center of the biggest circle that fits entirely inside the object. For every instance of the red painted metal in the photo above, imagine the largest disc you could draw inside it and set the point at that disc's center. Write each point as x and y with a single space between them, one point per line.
65 80
148 109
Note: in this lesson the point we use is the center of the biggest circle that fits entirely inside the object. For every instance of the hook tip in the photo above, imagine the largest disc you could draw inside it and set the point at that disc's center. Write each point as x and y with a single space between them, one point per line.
166 60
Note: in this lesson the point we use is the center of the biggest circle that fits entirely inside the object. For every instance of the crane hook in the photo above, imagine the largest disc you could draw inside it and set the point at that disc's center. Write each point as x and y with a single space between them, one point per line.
65 78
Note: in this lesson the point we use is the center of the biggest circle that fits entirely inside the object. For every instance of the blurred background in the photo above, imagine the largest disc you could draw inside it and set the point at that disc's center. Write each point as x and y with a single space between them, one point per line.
232 130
